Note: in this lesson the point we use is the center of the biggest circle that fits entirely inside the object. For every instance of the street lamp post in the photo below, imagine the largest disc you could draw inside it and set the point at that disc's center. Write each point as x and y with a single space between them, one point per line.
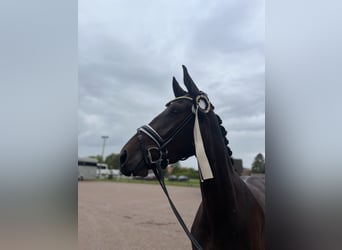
104 137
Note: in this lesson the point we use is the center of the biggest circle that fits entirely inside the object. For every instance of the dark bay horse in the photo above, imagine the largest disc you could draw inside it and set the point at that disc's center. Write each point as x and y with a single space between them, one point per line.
231 214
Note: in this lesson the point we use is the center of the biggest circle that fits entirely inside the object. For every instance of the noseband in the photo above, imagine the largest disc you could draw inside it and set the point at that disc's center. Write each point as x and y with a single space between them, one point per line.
158 154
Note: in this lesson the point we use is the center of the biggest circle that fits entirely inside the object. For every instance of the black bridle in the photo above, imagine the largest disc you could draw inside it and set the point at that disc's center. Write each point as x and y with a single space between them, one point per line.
160 144
162 160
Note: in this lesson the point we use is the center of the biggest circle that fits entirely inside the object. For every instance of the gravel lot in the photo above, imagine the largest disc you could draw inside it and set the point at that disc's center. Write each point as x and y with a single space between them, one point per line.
133 216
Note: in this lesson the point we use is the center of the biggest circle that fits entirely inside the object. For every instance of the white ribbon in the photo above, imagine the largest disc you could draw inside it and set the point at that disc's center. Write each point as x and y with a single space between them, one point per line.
202 160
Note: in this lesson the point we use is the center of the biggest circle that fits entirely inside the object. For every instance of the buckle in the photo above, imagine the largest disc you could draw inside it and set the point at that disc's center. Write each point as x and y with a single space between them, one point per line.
150 155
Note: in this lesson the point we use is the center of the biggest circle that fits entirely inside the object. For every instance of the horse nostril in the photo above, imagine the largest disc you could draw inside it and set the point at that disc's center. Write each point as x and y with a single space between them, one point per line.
123 157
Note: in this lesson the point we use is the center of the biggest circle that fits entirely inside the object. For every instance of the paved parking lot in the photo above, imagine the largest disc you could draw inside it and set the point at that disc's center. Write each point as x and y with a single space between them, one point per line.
115 215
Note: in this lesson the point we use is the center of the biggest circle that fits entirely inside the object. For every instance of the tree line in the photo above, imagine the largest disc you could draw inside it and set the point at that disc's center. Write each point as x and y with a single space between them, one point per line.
113 162
258 166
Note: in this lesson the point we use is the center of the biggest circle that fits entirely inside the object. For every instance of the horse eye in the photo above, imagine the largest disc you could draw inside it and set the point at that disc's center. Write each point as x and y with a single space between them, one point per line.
174 109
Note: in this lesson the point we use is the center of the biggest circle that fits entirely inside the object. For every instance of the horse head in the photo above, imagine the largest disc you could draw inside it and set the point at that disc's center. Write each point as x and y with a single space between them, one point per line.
169 137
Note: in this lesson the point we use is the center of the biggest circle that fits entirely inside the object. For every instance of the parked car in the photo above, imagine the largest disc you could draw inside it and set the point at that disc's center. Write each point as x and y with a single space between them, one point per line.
172 178
137 177
183 178
150 177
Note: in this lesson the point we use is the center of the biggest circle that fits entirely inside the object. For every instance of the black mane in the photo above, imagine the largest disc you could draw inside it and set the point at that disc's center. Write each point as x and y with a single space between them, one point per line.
226 141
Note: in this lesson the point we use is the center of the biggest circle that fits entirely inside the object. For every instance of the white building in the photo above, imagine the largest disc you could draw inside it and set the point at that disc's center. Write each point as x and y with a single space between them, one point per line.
87 168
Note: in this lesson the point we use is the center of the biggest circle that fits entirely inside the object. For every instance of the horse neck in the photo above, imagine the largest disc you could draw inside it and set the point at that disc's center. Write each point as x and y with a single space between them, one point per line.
219 194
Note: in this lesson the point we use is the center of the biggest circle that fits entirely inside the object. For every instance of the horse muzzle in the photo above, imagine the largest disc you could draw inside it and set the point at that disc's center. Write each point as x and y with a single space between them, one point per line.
132 166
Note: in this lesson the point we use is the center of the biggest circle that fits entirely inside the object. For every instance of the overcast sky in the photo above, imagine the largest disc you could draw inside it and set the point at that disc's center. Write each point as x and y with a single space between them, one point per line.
129 51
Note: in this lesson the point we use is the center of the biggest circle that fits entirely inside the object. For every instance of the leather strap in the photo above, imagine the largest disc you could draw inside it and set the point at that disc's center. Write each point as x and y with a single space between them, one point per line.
160 176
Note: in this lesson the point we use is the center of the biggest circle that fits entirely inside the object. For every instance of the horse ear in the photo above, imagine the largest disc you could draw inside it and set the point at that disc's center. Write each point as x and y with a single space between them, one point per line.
177 90
189 83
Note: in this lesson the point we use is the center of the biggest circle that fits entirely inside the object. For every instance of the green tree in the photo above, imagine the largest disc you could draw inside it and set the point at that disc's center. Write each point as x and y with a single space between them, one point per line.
176 164
97 157
190 172
113 161
258 165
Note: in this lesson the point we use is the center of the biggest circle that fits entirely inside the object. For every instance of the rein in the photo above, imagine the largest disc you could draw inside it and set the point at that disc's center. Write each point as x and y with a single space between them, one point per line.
160 176
162 162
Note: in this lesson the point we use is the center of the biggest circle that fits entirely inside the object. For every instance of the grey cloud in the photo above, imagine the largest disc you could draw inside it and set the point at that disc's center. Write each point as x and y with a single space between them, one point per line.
126 64
227 29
